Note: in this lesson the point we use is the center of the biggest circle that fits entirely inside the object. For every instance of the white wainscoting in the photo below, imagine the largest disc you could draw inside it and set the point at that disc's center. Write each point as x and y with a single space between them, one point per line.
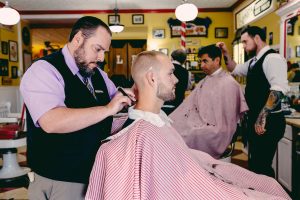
12 94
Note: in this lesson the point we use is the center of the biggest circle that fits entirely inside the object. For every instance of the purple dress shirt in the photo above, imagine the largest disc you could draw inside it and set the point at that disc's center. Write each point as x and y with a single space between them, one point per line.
42 86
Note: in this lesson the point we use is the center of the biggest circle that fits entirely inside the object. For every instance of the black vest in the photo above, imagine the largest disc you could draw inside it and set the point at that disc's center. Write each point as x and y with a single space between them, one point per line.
69 157
257 87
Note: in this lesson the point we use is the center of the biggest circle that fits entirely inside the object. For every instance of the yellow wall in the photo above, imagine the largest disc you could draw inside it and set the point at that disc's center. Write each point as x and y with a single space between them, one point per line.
159 21
6 34
271 21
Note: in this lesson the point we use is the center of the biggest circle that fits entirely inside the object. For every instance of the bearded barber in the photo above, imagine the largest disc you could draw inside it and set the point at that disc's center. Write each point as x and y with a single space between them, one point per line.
70 102
266 85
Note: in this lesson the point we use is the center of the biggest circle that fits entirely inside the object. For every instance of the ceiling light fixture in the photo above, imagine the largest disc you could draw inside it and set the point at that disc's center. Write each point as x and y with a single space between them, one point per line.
116 27
8 15
186 11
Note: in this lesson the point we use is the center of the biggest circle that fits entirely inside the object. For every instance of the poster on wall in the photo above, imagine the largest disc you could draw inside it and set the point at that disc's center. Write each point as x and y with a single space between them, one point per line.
195 28
27 60
254 11
13 51
3 67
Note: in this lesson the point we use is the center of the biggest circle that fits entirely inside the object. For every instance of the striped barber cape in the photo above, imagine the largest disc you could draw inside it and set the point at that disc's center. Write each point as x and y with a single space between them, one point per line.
146 161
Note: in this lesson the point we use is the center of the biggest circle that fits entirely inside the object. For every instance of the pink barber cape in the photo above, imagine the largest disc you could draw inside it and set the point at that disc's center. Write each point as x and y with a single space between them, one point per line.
207 119
149 160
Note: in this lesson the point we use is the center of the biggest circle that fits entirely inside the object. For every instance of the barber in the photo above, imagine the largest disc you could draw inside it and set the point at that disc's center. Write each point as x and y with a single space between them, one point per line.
265 87
70 102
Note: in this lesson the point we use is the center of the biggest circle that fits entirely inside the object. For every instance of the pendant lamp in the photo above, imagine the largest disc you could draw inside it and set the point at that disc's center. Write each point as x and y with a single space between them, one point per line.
186 11
8 15
116 27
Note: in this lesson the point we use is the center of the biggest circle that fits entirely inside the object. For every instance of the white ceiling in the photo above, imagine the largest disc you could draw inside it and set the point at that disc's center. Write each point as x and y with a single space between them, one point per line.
54 5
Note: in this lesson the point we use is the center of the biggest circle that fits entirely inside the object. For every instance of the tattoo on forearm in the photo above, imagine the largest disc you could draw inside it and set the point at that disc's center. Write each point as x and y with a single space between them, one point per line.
273 101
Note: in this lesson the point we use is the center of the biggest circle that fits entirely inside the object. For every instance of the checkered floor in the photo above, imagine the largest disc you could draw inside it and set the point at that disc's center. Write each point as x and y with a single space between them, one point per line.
239 158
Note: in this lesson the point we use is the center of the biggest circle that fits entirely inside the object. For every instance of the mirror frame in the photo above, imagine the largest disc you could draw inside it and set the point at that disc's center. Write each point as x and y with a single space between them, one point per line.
286 12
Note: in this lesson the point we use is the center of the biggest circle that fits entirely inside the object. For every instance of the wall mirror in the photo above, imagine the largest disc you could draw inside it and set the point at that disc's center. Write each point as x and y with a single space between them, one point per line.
290 34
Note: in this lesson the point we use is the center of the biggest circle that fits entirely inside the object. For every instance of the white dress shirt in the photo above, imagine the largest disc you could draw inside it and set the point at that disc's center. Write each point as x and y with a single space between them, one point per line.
274 67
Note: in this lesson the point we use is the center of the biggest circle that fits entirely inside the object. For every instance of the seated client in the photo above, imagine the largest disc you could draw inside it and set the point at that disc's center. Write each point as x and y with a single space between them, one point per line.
149 159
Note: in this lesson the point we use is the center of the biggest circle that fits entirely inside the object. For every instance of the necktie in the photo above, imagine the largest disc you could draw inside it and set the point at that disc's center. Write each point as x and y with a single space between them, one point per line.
89 86
253 62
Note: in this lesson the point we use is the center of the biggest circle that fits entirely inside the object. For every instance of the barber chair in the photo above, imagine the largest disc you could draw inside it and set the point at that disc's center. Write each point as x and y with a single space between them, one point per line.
12 136
226 156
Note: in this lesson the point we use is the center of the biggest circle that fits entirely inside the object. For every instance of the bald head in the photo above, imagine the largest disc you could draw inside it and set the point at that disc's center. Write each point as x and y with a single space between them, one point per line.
144 62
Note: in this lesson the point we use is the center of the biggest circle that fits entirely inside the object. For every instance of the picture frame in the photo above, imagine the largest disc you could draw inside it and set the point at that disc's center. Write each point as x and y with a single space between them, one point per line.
221 32
14 72
195 28
297 51
271 38
4 47
113 19
27 60
3 67
13 51
164 50
158 33
138 19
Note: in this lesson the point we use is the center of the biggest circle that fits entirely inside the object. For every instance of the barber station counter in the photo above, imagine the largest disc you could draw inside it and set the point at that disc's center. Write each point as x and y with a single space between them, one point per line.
288 157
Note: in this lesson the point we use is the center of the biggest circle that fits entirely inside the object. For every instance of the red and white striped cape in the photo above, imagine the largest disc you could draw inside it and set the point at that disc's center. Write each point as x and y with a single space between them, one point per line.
150 162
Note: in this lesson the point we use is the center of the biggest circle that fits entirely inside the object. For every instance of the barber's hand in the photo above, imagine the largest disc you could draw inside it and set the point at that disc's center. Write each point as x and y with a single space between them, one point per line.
260 123
117 103
131 93
223 47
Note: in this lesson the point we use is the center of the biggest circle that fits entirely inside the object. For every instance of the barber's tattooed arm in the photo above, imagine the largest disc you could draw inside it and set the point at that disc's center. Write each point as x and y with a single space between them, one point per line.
273 101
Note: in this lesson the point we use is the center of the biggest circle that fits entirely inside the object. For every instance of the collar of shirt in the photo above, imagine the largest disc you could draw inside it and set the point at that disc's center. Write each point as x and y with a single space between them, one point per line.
216 72
262 52
176 62
158 120
70 61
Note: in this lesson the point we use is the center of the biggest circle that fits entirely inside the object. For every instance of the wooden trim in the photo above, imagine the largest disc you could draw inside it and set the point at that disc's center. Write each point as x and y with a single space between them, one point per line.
236 4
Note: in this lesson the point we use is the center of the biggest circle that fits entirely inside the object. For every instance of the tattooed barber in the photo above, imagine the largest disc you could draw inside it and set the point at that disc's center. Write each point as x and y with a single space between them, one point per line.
266 85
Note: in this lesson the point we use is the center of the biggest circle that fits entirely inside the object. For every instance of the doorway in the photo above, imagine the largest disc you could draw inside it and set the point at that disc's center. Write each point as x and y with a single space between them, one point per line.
121 55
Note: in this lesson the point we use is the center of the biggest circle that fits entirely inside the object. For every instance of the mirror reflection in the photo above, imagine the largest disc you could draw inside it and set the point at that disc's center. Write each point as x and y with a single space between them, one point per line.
293 48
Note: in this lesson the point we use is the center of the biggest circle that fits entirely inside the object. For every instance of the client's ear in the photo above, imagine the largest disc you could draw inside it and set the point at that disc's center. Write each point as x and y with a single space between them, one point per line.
151 78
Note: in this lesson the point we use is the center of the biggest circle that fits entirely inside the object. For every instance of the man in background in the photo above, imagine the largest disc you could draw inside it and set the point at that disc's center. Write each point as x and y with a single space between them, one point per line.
266 85
208 117
178 59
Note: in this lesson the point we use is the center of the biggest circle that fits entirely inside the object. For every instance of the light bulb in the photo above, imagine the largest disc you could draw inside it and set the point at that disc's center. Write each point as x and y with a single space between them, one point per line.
9 16
186 12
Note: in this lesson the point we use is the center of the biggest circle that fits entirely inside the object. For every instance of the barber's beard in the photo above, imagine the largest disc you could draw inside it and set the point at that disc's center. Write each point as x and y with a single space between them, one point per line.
252 52
81 63
164 94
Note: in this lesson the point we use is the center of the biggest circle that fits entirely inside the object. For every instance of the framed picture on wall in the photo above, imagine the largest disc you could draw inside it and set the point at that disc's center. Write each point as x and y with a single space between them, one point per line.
4 47
3 67
138 19
14 72
297 51
113 19
27 60
158 33
221 32
13 51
